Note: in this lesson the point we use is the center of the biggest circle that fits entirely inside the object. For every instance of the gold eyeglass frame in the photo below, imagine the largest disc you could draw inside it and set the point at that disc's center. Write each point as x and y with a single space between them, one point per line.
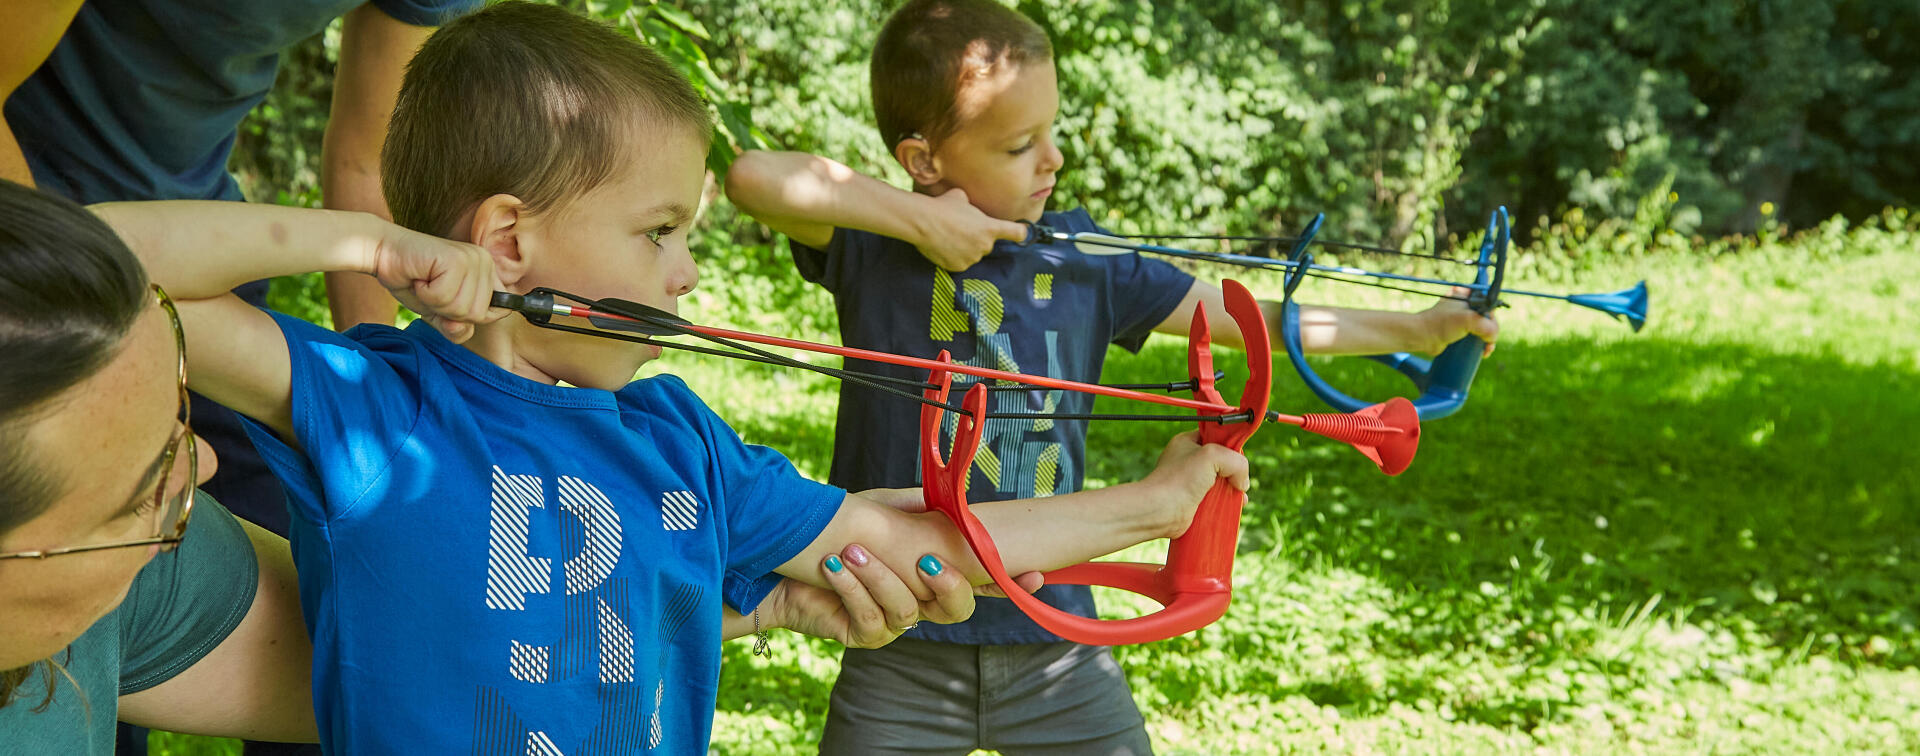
176 510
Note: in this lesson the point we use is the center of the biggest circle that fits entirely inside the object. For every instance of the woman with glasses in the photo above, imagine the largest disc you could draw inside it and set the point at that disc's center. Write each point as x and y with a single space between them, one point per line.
116 600
124 593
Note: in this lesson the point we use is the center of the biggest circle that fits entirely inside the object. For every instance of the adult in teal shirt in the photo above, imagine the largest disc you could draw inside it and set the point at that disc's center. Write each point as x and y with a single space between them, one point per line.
118 100
117 599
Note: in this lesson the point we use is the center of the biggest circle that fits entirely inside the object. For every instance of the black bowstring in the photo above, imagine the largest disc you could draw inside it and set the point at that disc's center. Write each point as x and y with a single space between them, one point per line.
1284 265
767 359
873 381
1271 241
743 352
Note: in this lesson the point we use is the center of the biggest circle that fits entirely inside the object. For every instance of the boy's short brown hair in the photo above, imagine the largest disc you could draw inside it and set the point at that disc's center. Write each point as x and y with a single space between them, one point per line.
929 50
527 100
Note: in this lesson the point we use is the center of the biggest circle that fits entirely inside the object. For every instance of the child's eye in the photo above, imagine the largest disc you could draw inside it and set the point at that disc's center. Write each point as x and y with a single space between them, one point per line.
662 232
1021 150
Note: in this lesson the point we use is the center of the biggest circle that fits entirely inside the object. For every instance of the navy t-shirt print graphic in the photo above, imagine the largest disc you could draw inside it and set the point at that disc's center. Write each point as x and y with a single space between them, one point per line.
1012 459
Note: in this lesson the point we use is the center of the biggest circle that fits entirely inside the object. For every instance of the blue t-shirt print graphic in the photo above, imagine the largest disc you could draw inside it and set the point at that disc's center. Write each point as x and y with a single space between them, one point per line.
597 641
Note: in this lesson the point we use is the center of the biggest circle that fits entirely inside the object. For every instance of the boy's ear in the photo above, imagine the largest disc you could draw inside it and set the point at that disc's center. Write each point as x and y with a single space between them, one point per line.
916 155
499 227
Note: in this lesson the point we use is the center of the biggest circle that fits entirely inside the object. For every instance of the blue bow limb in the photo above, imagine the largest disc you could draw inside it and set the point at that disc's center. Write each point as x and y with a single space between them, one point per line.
1443 382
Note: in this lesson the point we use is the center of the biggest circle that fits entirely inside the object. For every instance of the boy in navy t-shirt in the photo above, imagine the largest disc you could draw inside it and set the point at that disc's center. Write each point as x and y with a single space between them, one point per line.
492 561
965 96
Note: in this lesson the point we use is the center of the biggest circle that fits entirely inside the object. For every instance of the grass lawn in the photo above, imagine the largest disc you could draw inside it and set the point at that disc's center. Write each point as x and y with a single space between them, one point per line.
1703 538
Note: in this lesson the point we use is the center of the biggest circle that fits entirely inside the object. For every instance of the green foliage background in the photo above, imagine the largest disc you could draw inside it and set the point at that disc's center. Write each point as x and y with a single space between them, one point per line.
1698 539
1404 120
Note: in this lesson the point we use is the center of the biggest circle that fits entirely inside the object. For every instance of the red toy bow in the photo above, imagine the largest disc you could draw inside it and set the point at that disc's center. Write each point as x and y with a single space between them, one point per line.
1196 583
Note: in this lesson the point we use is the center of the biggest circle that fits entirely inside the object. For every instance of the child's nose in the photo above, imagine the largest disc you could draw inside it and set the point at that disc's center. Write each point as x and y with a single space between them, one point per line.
687 274
1052 159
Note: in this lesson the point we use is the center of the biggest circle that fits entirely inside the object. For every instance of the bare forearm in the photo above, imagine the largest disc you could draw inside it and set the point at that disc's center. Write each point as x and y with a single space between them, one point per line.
1324 330
805 195
1054 532
28 33
353 183
1342 330
201 249
733 624
257 682
1031 534
374 50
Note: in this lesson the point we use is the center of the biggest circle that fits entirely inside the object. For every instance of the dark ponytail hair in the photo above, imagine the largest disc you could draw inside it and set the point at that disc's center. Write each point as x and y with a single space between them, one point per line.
69 291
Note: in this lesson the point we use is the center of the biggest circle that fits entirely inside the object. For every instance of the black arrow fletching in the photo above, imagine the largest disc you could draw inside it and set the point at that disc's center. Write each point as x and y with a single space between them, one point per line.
646 319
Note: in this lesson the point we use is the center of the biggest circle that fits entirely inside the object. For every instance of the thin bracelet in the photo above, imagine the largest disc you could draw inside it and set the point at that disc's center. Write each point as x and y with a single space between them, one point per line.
761 637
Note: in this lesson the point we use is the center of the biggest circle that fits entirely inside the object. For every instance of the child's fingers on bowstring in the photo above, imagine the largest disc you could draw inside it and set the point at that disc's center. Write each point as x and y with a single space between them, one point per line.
464 293
1010 231
476 296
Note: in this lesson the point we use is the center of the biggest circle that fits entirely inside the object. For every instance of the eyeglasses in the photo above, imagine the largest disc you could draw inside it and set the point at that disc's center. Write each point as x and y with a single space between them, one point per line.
170 512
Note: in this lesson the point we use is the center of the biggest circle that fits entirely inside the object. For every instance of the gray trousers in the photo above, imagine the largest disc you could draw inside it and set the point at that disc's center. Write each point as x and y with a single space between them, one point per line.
920 697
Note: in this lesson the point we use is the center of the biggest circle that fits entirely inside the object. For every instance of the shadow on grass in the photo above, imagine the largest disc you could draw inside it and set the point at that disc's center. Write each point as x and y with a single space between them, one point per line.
1776 495
1777 490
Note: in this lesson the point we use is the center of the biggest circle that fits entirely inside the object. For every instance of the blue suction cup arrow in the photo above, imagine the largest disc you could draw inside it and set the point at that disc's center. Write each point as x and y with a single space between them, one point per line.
1625 303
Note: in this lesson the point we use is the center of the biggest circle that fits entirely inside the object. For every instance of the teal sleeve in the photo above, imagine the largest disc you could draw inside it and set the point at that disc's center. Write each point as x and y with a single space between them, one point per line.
427 12
188 600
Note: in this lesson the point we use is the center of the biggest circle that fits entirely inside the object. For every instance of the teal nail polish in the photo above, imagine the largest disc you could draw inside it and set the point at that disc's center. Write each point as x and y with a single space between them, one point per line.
833 564
931 565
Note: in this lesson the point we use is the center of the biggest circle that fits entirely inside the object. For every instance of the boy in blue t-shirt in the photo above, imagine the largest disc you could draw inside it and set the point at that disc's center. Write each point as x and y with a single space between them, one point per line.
491 559
964 93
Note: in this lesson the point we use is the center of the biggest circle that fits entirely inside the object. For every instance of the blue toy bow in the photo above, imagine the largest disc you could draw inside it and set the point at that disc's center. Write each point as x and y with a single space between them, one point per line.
1444 382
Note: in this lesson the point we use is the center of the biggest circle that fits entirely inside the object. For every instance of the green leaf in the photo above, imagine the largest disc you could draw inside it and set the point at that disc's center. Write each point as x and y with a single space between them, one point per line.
738 120
682 19
684 54
720 154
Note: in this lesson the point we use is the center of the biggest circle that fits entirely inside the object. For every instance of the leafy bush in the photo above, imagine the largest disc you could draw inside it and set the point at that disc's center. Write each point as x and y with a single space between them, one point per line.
1404 120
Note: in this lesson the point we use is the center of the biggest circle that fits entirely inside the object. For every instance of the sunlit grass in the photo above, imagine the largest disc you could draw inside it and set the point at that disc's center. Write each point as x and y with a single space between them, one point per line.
1700 538
1693 539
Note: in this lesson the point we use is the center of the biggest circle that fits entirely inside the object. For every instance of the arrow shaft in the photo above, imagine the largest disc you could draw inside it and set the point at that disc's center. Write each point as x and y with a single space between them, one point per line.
1542 295
980 372
1265 262
920 362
